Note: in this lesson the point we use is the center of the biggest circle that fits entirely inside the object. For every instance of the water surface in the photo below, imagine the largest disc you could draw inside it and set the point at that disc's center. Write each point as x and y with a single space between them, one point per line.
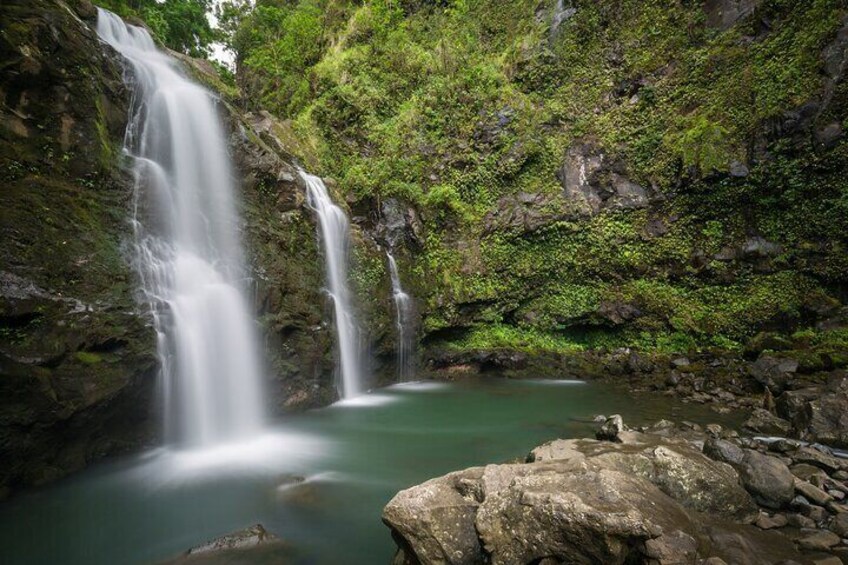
354 455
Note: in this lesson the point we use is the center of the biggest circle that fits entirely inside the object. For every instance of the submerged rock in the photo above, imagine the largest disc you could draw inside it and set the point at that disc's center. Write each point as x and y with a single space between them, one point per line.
242 539
244 547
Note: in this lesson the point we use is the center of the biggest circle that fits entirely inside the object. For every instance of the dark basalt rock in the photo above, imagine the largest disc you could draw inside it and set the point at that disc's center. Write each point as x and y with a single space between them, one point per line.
593 181
77 362
724 14
819 413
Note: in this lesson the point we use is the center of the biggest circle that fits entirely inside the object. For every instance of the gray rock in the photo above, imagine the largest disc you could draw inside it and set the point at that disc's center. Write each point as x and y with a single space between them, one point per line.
724 451
815 513
839 525
821 540
773 372
723 14
680 471
829 134
579 517
243 539
610 429
524 213
764 422
591 181
767 479
812 493
759 247
816 458
435 520
818 414
766 522
800 521
738 169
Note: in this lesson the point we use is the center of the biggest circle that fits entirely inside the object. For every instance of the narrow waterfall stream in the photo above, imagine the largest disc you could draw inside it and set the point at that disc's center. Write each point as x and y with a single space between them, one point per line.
335 237
188 252
403 321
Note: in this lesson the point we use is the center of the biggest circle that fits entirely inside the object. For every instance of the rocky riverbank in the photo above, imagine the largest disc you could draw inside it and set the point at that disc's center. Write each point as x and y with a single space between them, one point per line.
665 493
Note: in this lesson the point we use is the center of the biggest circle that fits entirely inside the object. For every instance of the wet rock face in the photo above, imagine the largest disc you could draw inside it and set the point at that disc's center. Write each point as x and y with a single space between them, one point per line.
592 181
818 413
280 240
524 213
723 14
77 361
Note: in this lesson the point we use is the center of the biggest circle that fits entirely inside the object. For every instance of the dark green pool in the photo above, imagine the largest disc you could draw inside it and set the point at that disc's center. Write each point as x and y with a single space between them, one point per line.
354 457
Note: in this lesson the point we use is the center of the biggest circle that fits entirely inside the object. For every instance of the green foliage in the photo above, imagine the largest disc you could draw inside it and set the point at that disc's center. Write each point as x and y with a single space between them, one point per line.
456 106
498 336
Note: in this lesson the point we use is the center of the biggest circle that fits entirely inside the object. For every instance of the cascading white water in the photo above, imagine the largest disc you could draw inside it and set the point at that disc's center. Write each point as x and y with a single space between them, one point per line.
403 321
335 235
188 251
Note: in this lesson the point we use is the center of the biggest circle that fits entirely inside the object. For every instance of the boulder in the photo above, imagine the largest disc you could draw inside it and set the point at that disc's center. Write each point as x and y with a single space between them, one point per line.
818 414
724 451
817 458
649 499
812 492
676 468
773 372
581 517
768 479
820 540
434 522
766 522
764 422
610 429
839 525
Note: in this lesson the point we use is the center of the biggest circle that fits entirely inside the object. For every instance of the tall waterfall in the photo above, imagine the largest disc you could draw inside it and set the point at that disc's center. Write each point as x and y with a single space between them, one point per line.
403 321
188 250
335 236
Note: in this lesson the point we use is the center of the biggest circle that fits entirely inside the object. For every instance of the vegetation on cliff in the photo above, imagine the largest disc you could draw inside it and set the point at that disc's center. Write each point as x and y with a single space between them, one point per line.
715 205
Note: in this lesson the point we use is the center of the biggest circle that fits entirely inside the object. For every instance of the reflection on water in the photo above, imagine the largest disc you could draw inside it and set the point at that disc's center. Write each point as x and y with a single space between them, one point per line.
319 479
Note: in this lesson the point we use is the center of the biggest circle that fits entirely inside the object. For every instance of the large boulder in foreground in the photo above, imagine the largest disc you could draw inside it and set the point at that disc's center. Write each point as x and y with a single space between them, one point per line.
582 517
648 500
681 472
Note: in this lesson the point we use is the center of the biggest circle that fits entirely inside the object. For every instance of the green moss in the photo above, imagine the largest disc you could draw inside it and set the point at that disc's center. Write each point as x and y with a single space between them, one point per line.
88 358
453 106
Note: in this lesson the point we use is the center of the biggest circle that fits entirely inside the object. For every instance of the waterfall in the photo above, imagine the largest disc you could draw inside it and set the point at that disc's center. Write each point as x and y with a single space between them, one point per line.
189 255
403 321
335 236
